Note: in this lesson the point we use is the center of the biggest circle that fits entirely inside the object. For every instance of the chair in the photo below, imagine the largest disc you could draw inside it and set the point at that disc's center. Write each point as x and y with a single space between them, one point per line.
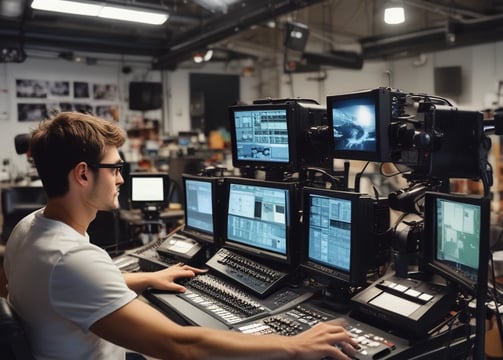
13 342
17 202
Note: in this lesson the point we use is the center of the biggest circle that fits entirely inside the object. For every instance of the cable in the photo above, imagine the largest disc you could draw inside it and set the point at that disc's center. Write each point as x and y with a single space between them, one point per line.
358 177
495 295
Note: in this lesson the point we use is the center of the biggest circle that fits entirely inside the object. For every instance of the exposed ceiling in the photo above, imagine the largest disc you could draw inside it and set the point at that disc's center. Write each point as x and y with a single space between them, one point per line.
256 28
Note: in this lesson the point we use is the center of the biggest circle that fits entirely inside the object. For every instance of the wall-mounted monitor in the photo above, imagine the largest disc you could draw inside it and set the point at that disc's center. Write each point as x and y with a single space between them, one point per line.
260 219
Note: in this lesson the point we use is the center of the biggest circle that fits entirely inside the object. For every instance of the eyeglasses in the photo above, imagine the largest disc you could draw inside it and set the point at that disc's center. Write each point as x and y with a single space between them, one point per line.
117 167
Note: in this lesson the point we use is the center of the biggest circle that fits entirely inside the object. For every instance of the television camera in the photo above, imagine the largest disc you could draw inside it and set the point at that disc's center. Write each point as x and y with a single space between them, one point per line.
428 136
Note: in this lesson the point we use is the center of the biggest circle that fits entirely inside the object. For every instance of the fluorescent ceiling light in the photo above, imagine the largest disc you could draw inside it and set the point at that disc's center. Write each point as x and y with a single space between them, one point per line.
100 10
147 17
394 13
67 7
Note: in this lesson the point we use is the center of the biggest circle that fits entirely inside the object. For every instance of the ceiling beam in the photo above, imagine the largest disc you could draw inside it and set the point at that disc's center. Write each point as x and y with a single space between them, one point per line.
251 13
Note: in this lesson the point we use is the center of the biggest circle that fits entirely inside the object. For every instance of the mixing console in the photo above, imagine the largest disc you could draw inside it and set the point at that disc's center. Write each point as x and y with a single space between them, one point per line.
373 343
256 277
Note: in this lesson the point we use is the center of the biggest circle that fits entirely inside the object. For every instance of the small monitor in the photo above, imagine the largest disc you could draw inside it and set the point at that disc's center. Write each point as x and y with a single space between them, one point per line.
360 122
149 191
337 228
188 139
457 237
275 134
260 216
262 136
201 206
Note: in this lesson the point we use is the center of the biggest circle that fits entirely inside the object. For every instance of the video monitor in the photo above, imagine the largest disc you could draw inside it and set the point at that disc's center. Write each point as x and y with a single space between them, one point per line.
457 237
201 206
457 148
275 135
260 217
188 139
149 191
337 228
360 122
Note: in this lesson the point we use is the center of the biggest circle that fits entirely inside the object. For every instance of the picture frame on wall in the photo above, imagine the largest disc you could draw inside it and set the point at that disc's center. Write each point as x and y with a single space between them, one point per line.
80 90
28 112
29 88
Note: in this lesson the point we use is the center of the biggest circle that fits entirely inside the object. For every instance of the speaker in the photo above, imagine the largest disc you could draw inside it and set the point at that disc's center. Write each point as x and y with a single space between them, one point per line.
145 95
448 81
296 36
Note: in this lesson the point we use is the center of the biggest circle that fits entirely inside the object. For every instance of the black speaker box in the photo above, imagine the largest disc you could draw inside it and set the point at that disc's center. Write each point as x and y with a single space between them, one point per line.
145 95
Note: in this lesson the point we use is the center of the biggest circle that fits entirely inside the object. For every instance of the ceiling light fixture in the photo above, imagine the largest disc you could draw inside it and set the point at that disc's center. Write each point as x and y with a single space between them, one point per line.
394 12
200 57
101 10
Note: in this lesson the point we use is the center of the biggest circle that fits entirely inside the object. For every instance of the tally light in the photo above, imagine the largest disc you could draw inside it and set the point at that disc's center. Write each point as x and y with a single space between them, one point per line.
394 13
100 10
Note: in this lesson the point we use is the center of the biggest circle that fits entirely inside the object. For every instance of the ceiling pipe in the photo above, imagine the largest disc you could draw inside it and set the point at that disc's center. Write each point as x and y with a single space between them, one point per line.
481 30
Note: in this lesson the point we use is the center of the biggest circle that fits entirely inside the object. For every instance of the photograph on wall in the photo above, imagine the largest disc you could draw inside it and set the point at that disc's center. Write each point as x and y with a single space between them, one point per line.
56 107
80 90
32 88
59 88
105 92
31 112
108 112
65 106
83 108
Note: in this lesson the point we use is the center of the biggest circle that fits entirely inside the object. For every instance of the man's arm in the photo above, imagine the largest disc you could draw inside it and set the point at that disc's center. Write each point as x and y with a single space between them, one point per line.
139 327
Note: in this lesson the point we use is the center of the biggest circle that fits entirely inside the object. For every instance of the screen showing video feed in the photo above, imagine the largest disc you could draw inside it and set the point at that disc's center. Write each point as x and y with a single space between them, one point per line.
354 124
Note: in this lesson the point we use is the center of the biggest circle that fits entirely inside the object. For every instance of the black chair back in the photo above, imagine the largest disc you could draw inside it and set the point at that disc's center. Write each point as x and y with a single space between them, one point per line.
13 342
17 202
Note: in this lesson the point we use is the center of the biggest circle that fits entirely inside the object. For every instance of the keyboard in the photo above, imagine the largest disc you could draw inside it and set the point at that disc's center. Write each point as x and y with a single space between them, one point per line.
373 343
261 280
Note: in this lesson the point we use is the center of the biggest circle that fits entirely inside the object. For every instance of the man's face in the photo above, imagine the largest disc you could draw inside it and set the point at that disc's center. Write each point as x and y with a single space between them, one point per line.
105 191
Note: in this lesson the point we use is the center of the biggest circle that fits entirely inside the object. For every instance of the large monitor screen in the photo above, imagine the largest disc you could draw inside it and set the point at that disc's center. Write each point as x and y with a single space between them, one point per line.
337 232
457 237
200 204
259 217
149 191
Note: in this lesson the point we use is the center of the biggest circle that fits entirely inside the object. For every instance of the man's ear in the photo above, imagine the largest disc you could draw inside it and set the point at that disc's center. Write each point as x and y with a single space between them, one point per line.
80 172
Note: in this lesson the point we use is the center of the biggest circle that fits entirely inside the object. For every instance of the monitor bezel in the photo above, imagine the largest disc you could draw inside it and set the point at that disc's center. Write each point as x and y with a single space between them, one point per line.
214 181
289 258
381 98
361 231
439 267
290 165
149 205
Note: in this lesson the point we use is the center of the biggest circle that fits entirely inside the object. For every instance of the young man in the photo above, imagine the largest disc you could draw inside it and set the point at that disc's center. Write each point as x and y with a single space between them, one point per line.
74 302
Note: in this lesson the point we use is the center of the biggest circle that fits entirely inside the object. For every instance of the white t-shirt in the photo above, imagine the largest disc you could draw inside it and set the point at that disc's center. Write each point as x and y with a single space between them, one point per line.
60 284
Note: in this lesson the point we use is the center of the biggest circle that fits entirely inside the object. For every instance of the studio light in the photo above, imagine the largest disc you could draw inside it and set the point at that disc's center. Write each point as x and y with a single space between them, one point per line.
101 10
296 36
205 56
394 12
